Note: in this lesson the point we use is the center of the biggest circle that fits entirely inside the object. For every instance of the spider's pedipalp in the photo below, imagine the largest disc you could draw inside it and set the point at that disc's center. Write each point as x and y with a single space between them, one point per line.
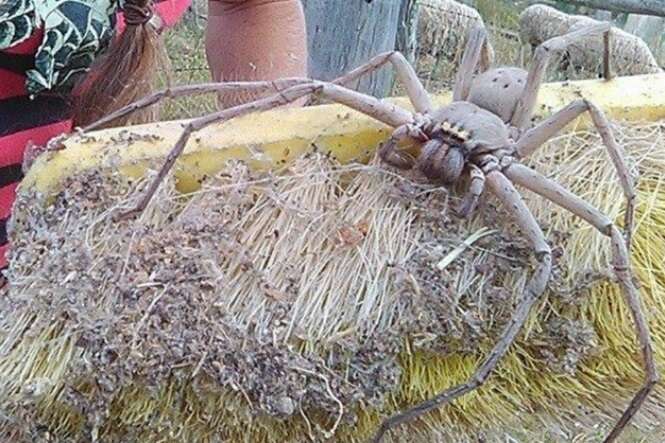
390 154
472 196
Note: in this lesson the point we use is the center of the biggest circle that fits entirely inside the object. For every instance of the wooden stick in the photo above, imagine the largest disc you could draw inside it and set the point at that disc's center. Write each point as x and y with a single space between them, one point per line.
644 7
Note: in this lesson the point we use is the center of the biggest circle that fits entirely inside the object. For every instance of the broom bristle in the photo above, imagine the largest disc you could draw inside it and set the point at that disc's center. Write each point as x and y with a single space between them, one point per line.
308 304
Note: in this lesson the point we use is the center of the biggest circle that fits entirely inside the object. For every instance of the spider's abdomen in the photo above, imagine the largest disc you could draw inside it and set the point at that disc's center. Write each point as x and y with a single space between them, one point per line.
498 90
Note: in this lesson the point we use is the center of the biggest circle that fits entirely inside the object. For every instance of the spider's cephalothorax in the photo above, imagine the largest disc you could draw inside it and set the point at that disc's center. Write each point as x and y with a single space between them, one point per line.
481 136
473 132
459 133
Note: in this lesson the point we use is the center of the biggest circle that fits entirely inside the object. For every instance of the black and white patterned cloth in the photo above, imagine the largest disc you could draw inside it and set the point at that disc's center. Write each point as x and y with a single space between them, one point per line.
75 32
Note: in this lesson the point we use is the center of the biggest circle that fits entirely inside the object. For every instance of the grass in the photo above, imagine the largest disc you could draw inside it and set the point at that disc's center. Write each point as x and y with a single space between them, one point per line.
185 45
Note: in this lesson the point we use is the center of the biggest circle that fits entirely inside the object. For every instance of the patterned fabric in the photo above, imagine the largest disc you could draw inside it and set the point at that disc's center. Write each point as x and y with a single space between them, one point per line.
17 22
43 47
75 32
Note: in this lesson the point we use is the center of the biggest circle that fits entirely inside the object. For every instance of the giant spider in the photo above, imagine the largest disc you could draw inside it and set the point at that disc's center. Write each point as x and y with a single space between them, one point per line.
481 135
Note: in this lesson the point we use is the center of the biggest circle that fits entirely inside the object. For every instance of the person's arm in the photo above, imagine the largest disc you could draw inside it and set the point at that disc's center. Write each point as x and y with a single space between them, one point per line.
250 40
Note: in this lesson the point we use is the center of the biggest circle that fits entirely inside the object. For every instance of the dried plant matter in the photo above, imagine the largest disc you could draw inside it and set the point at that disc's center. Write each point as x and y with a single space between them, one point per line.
215 292
176 289
244 287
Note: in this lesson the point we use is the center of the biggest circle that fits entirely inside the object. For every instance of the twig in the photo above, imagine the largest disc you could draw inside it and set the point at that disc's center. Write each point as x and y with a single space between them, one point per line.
332 430
146 315
452 255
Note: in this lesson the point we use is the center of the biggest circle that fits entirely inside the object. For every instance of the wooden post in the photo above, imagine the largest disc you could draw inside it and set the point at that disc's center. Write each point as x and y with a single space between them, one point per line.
345 34
407 29
648 28
644 7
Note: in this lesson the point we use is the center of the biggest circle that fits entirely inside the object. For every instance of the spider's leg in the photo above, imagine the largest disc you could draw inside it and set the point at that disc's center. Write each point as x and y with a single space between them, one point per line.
476 187
532 139
385 112
556 193
203 88
478 51
527 103
509 196
381 110
405 74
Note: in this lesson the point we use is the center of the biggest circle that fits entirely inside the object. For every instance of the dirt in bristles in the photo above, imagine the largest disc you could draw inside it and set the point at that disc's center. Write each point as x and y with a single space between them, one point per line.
296 290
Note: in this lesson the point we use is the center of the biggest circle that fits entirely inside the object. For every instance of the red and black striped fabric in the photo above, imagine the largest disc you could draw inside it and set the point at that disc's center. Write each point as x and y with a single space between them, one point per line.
22 121
25 120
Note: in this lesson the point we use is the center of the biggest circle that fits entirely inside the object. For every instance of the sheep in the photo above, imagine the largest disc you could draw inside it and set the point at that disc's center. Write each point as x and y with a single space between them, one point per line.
630 55
443 26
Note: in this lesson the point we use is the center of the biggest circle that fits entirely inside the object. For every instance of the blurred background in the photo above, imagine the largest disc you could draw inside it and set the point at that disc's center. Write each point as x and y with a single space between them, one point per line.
432 33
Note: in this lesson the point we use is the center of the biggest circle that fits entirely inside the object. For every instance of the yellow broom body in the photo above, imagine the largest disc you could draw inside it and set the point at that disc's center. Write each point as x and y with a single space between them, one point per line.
275 138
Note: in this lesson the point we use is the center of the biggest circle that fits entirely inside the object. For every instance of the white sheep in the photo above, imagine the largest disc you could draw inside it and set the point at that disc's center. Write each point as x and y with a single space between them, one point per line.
443 26
630 55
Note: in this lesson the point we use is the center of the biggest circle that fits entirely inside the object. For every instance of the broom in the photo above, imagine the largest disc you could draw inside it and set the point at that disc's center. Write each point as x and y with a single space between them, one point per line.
198 323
